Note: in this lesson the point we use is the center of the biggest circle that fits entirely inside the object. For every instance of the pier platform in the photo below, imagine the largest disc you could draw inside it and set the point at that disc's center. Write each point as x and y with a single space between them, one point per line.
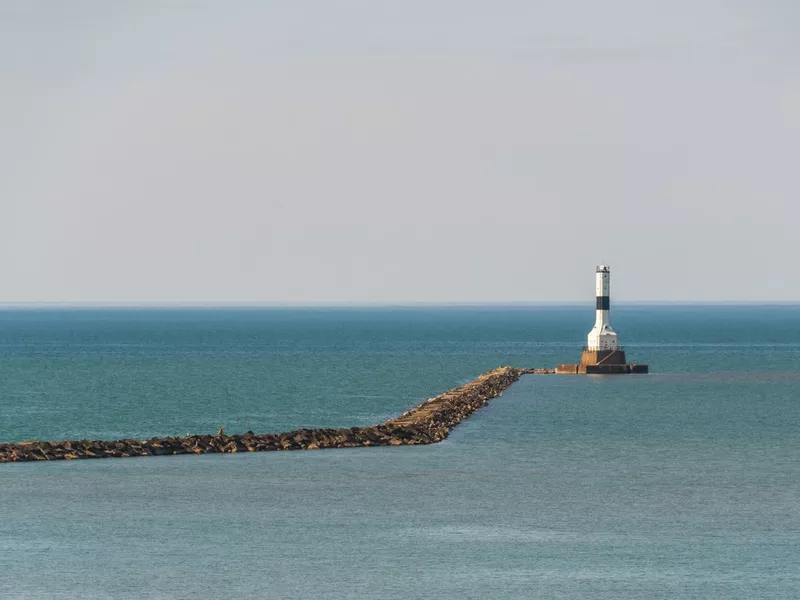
601 362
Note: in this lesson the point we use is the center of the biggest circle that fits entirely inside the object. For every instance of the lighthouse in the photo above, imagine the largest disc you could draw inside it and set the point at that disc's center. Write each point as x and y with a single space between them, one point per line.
602 354
602 337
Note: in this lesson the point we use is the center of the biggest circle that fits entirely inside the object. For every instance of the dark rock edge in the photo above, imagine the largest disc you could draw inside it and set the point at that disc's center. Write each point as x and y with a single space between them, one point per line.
428 423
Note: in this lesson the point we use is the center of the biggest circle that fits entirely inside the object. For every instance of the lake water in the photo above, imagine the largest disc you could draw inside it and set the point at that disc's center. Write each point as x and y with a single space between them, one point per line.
684 483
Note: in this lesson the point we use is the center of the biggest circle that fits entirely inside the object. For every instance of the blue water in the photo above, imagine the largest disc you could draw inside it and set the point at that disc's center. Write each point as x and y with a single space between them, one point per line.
680 484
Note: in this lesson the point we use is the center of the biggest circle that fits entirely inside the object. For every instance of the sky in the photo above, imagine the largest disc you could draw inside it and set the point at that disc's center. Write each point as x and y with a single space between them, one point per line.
366 151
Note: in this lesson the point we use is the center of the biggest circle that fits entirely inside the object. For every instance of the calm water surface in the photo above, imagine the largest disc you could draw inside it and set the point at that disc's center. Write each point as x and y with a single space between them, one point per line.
681 484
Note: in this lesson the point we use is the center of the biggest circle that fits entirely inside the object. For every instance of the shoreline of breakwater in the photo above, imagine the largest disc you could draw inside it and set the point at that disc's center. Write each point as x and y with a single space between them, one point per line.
426 423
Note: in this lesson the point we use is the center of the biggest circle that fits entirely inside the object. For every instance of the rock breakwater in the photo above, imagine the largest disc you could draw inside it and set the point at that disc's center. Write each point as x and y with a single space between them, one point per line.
428 423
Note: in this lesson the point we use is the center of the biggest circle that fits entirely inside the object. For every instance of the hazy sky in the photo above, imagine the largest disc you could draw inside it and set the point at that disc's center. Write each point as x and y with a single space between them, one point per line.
437 151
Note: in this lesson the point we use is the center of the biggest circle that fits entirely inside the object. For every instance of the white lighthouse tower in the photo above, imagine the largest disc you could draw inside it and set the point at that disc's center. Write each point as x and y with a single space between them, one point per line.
602 337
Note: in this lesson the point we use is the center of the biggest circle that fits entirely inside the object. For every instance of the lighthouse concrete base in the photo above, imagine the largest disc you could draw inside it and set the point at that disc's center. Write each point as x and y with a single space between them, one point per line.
601 362
595 358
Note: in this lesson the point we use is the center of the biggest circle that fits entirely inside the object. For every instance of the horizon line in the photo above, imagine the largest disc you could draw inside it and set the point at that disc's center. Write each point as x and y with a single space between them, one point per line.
57 304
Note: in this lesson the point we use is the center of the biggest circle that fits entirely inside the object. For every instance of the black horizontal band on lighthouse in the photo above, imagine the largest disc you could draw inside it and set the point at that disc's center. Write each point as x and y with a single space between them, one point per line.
603 303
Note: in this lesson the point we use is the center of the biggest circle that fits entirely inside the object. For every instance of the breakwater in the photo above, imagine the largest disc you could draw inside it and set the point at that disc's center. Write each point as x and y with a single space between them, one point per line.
427 423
